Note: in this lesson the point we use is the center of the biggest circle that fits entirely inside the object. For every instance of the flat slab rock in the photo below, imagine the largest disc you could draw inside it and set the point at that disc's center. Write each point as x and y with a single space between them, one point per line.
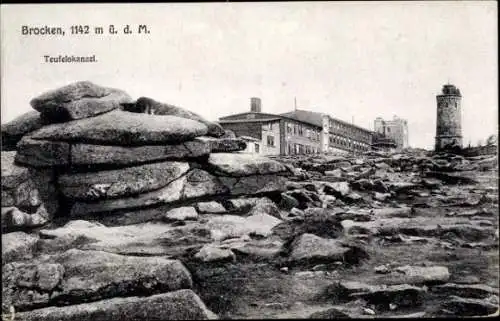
309 247
87 154
77 276
14 130
12 174
195 184
244 164
150 106
224 145
125 129
17 246
138 239
177 305
475 291
462 307
78 100
42 153
120 182
417 275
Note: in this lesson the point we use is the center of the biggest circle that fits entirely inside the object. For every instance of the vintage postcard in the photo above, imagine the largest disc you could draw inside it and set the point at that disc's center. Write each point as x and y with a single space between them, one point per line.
257 160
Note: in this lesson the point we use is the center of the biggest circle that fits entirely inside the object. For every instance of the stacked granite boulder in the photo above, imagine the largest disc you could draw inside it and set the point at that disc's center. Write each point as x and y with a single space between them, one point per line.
112 155
104 157
23 203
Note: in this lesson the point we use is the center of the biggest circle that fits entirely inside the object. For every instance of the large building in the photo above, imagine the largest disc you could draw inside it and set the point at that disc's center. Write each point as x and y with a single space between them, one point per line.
296 132
449 118
396 129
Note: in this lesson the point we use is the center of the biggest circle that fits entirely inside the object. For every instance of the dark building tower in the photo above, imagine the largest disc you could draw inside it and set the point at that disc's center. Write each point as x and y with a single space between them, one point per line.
449 119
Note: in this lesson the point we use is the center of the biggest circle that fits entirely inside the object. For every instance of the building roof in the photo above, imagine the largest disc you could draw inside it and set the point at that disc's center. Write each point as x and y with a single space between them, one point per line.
305 116
253 139
315 118
245 120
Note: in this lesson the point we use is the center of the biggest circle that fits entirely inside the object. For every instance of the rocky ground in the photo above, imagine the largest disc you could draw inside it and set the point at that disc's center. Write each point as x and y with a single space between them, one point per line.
374 235
112 213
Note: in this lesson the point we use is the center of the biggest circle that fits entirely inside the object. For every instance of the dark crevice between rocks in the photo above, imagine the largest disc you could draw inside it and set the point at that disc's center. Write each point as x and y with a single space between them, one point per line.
74 169
140 288
120 217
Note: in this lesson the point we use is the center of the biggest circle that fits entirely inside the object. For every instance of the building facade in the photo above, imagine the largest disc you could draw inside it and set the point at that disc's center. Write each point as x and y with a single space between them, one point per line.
449 118
395 129
296 132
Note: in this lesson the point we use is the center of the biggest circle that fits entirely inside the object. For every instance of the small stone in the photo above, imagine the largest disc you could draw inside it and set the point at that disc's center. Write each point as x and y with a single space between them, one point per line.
284 269
382 269
368 311
392 306
181 214
210 253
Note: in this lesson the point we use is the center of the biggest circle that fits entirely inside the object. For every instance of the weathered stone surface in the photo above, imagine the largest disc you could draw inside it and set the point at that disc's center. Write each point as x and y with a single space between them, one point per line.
13 218
337 189
93 275
7 199
331 313
120 182
464 307
78 100
402 295
14 130
150 106
170 193
180 214
309 247
12 174
26 195
211 253
125 129
242 204
210 207
223 145
238 165
266 206
201 183
139 239
42 153
17 246
255 184
26 286
476 291
177 305
417 275
232 226
85 154
288 202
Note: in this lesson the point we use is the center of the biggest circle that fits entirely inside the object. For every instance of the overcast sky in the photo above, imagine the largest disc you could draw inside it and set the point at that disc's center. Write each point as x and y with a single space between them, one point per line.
351 60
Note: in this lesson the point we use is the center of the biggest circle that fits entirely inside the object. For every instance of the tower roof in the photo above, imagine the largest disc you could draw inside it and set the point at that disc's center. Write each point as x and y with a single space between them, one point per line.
449 89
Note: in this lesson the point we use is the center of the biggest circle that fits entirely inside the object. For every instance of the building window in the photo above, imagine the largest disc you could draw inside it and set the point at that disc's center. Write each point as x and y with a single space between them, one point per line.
257 148
308 133
295 129
388 129
270 140
288 128
301 130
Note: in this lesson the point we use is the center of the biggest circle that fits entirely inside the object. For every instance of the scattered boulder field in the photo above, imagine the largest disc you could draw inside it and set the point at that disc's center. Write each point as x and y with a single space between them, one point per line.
115 208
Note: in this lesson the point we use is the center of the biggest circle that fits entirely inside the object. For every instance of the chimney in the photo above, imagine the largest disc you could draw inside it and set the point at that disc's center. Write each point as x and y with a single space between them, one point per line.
255 105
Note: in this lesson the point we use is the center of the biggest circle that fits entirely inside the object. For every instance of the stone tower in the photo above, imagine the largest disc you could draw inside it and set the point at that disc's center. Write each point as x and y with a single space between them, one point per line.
449 119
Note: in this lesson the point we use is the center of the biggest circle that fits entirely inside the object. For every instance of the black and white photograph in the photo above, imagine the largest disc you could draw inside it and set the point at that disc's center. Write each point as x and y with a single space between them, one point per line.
249 160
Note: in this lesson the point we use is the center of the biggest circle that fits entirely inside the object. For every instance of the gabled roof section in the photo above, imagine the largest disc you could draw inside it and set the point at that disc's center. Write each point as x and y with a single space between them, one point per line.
245 120
305 116
245 114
